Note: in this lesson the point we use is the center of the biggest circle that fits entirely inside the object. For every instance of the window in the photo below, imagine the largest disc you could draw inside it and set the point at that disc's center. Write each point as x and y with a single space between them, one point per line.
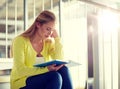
11 24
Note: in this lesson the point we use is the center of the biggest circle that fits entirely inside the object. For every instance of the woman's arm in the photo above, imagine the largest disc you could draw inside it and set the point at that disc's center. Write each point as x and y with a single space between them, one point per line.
19 56
56 48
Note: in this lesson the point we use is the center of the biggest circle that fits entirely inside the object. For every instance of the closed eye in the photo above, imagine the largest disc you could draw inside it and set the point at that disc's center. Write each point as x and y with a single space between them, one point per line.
49 29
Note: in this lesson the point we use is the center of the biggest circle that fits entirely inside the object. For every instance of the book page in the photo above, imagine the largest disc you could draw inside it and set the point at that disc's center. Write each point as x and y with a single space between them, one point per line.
72 63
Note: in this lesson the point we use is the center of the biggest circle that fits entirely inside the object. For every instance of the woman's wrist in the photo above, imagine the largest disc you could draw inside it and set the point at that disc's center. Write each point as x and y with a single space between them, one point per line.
54 34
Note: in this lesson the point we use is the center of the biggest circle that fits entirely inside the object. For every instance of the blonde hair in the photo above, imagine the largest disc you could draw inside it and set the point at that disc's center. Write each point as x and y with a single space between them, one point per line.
43 18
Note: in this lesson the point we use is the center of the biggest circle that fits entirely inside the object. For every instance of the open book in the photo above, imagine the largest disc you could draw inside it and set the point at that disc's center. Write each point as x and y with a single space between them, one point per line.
57 62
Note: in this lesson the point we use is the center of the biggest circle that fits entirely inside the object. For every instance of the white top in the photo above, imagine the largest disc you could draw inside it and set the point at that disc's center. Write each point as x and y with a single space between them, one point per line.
39 60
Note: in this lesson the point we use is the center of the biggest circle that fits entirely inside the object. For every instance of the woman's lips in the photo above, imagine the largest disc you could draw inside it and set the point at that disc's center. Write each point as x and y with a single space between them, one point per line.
47 36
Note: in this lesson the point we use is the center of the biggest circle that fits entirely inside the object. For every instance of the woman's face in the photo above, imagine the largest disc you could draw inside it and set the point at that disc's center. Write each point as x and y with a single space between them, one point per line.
45 30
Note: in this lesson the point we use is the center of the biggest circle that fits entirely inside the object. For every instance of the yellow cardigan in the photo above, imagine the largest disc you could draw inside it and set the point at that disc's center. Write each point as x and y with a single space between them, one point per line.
24 57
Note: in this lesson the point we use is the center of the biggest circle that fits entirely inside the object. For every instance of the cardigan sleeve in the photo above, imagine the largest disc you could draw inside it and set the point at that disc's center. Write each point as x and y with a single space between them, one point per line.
56 49
19 56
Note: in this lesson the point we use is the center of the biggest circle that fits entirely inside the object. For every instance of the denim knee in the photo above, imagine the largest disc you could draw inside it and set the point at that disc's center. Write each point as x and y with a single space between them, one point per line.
56 77
64 68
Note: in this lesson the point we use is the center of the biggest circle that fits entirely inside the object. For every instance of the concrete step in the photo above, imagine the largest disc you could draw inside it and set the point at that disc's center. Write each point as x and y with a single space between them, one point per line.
4 85
4 81
4 78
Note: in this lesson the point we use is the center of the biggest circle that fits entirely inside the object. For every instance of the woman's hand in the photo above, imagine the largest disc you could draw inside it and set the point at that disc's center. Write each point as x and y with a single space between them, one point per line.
54 67
54 34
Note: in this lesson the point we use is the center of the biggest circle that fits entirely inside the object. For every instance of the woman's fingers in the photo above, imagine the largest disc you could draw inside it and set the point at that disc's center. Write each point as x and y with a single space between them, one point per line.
54 67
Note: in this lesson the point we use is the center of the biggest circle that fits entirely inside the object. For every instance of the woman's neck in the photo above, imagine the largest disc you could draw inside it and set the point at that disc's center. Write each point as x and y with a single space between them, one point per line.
37 44
36 39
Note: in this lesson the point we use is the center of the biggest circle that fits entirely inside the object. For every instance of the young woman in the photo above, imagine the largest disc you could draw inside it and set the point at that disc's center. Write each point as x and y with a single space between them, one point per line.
40 42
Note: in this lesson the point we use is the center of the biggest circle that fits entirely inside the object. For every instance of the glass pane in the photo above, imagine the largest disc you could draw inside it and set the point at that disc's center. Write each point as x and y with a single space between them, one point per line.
47 4
11 24
19 17
74 35
10 17
2 29
55 8
38 6
103 27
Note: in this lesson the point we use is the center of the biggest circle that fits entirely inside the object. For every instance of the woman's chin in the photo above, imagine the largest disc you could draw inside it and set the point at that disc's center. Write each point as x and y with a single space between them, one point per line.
48 40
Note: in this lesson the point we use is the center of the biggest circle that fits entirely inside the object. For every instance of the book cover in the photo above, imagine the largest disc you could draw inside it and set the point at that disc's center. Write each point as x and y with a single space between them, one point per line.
69 63
57 62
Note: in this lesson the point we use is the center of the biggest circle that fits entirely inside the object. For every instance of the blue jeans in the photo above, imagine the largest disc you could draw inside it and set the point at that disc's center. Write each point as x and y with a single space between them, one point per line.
51 80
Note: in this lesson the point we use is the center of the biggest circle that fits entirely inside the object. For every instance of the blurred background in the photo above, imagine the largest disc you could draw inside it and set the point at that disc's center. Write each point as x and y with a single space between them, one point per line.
90 32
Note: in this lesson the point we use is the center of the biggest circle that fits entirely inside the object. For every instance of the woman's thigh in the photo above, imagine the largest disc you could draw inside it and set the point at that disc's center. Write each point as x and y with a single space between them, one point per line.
41 81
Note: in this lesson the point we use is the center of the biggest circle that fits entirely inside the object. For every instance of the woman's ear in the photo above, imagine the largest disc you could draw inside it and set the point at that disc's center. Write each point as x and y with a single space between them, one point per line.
38 24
